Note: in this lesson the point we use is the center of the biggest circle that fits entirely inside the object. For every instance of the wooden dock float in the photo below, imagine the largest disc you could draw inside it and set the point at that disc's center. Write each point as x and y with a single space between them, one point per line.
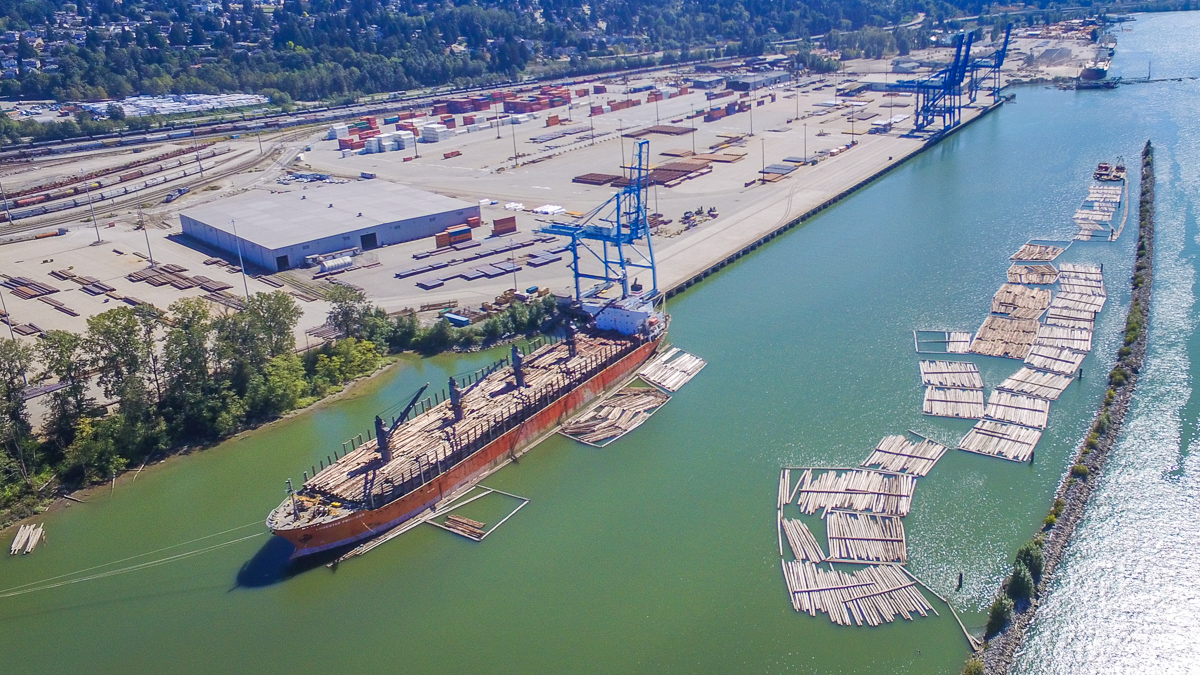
672 370
1055 359
1026 411
959 403
857 490
1038 275
872 596
897 453
1037 383
955 374
1079 339
998 439
1002 336
955 342
615 416
802 542
864 537
1037 253
1020 302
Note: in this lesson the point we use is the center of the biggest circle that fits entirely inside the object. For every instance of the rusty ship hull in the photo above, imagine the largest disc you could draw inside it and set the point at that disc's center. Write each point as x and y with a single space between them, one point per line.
366 523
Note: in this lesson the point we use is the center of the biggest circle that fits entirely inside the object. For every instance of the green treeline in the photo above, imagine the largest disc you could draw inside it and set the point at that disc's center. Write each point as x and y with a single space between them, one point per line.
325 49
139 382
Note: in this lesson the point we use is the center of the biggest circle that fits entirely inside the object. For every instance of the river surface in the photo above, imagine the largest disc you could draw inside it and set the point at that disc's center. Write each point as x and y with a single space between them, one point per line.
658 553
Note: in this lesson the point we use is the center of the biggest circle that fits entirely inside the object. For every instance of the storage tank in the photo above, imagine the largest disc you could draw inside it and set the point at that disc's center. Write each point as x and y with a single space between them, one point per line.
335 264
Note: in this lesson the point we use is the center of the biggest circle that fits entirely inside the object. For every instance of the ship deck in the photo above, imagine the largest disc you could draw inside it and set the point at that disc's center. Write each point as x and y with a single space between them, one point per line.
420 444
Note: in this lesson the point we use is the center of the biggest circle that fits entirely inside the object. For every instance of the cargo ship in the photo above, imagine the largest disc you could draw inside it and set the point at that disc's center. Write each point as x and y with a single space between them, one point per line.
1095 70
1110 173
411 465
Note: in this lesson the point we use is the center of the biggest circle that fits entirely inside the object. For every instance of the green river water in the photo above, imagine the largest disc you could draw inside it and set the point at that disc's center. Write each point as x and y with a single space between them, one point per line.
658 553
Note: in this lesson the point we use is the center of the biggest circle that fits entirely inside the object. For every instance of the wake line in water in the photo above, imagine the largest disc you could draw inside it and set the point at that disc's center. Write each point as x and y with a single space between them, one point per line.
44 584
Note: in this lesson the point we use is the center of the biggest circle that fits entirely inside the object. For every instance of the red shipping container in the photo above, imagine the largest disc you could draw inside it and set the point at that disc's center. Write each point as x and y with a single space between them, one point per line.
450 123
599 89
345 143
441 240
440 109
473 221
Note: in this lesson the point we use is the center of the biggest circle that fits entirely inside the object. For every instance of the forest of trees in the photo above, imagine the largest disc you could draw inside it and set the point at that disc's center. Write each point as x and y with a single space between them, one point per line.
190 377
323 49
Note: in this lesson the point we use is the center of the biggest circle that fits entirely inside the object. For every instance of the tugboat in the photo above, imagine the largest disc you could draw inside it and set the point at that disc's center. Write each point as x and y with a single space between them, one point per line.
1108 173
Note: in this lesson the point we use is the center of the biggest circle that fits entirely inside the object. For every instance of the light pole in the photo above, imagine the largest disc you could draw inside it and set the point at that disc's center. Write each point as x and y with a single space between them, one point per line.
87 189
806 142
241 262
764 160
621 138
5 197
514 135
142 222
8 317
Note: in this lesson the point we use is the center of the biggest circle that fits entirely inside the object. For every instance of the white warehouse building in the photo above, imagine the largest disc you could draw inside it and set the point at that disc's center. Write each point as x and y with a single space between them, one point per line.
278 231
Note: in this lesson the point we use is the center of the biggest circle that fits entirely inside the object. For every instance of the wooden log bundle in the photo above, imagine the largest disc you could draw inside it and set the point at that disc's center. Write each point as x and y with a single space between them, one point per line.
898 454
1002 336
1037 383
1026 411
1020 302
1032 274
959 403
672 370
956 374
802 542
998 439
1037 253
871 596
618 415
856 490
864 537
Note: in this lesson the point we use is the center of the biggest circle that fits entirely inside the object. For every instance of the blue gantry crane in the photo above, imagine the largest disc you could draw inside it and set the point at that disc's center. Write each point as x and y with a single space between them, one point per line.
985 70
613 240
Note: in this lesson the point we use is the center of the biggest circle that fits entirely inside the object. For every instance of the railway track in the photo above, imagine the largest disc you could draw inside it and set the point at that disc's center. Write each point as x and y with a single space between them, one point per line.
211 175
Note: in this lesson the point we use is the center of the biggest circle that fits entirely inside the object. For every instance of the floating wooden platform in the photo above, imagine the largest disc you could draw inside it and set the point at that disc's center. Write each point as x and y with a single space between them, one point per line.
872 595
954 342
1002 336
857 490
1055 359
1020 302
616 416
1037 383
864 537
1032 274
802 542
1026 411
959 403
1037 253
898 454
957 374
672 370
997 439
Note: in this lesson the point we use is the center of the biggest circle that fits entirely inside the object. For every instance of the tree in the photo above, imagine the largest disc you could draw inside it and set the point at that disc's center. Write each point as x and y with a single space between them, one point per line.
15 431
178 36
273 317
116 349
62 355
1030 555
115 111
998 616
349 307
197 406
1020 584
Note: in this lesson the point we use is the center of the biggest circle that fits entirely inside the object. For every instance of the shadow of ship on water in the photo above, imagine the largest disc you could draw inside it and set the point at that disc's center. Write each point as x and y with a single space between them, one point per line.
273 564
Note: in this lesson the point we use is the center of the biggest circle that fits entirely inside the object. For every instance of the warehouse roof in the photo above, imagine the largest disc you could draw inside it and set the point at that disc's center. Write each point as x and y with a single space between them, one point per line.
280 219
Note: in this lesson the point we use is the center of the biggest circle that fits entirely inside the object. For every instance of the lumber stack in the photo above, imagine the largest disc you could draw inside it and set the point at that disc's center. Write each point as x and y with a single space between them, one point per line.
27 539
472 529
